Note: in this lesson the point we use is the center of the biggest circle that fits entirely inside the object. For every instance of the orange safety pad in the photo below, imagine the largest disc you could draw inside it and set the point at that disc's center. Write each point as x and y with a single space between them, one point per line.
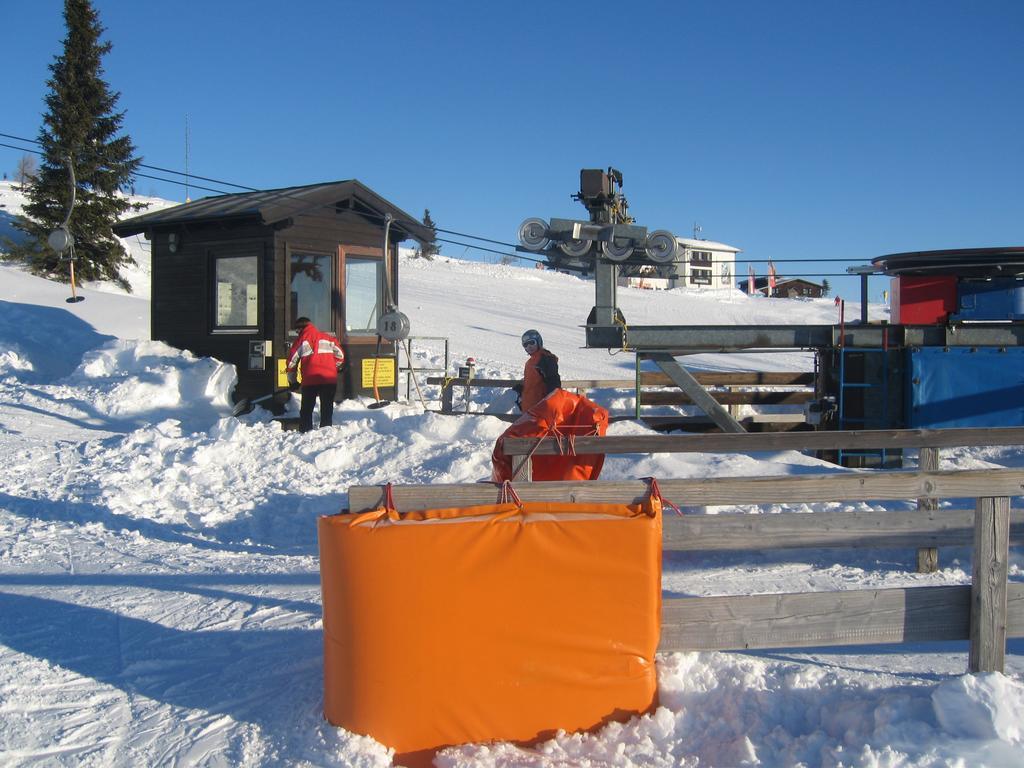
560 413
496 622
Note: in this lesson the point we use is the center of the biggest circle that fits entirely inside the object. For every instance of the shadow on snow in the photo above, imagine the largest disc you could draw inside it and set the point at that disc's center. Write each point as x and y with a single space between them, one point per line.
34 330
277 526
249 675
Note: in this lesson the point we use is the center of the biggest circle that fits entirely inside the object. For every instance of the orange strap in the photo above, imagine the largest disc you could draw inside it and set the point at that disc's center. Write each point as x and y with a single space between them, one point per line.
655 492
389 509
509 496
568 448
367 517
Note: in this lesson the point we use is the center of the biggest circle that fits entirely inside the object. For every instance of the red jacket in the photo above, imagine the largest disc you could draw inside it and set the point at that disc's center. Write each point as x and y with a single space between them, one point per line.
317 356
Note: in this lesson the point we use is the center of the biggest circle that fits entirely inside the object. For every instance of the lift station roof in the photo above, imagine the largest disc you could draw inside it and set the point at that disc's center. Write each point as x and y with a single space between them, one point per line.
1006 261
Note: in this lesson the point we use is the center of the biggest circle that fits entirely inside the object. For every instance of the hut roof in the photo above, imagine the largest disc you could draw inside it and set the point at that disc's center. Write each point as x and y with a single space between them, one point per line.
273 206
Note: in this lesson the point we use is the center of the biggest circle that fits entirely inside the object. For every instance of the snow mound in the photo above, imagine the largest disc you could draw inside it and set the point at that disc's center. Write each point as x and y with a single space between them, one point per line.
730 710
986 706
42 343
146 382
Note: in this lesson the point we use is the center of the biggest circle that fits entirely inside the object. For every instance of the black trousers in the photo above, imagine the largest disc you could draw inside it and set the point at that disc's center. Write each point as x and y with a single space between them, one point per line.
325 394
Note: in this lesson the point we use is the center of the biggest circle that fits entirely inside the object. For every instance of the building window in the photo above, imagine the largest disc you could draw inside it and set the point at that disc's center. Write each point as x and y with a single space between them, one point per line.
700 277
236 292
700 257
364 282
312 288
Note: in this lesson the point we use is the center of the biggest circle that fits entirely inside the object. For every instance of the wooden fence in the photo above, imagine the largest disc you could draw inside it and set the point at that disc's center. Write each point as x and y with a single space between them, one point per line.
928 441
866 439
985 613
728 388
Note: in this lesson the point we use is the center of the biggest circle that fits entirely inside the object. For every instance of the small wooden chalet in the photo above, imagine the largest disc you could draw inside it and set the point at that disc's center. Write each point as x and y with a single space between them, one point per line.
795 287
786 287
232 273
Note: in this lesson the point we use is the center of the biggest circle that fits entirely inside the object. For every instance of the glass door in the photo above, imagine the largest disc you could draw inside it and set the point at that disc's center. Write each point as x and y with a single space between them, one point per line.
363 292
363 281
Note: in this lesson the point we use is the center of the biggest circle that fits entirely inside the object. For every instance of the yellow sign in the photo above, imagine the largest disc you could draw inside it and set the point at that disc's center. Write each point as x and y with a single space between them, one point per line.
385 371
282 374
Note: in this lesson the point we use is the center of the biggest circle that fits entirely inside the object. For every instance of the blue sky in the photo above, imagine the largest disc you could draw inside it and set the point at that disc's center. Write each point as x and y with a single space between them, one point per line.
791 130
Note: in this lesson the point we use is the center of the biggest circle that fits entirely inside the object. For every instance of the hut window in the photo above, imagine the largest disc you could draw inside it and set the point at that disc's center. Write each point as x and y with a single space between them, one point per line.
364 280
236 283
312 285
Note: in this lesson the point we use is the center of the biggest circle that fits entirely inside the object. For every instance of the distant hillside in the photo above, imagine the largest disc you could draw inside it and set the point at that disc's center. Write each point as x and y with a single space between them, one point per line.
11 202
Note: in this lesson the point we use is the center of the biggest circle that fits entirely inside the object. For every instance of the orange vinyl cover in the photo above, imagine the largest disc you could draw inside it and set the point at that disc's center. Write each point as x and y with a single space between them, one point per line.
498 622
560 413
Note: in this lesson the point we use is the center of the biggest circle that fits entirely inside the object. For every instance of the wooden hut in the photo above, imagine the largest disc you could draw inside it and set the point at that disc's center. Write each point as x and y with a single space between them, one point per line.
786 287
232 273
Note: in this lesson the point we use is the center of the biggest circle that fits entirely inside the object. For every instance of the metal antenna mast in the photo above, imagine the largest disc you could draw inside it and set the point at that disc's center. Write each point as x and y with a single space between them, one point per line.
187 153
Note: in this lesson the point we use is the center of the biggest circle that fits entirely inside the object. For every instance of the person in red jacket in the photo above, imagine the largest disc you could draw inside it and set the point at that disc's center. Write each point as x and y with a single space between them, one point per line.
540 374
318 357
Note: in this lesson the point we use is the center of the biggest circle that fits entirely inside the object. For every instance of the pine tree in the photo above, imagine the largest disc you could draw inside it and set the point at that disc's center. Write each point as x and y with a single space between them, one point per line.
825 288
80 124
429 249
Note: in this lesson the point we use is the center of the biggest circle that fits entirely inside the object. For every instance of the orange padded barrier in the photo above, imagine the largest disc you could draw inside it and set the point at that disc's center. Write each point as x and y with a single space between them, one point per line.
499 622
560 413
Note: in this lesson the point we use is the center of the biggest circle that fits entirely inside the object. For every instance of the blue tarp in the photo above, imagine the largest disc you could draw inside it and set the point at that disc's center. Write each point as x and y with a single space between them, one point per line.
965 387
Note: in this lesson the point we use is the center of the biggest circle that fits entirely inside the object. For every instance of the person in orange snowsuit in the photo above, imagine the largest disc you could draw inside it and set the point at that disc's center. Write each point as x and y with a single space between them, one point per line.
540 374
317 355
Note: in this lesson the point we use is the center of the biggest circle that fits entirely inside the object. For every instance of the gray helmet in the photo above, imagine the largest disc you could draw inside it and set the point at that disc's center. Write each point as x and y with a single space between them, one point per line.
532 335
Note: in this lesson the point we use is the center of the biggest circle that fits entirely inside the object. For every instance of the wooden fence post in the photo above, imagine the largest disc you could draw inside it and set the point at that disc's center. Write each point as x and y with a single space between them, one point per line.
446 398
734 408
928 557
524 470
989 585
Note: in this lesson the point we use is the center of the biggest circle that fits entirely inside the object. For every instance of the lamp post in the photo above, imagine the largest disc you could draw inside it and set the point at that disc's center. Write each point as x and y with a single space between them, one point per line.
61 240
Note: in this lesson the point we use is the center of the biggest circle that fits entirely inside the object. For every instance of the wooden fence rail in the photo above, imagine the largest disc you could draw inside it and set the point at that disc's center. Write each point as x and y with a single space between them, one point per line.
852 529
655 379
984 613
796 387
783 441
929 441
823 619
715 491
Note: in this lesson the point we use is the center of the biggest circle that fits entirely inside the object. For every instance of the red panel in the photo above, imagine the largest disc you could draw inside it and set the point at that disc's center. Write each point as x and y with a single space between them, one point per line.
923 300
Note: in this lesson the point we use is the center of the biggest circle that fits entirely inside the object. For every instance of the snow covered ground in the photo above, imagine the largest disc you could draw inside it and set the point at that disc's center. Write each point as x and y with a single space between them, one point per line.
159 588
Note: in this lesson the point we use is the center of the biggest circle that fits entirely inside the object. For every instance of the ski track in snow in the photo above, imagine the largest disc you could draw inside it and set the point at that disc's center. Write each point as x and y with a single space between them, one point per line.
159 583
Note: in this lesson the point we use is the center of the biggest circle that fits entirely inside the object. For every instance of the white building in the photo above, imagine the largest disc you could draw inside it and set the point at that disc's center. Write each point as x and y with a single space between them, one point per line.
705 264
698 264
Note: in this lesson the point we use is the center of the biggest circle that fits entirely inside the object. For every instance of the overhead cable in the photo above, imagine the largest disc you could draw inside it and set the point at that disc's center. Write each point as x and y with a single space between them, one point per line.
301 204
